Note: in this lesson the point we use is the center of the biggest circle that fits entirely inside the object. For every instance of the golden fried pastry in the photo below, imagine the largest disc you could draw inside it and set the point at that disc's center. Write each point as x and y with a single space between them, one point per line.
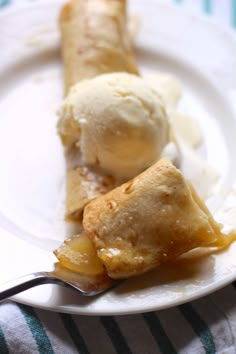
95 39
153 218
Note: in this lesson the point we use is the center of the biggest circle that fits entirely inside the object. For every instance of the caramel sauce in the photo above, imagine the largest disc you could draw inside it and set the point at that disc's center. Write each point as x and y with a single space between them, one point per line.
193 267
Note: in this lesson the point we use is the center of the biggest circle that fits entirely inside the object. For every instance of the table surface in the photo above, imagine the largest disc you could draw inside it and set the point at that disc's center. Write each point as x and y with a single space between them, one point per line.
207 325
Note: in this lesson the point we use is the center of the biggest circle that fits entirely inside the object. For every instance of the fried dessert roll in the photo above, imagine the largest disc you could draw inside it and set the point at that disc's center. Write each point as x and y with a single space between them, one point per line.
151 219
95 39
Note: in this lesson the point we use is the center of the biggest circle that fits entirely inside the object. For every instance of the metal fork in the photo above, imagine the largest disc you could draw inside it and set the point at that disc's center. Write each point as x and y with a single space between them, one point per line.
86 285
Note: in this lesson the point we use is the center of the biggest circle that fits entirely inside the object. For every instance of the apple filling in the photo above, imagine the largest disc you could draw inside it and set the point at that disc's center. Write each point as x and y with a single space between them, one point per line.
79 255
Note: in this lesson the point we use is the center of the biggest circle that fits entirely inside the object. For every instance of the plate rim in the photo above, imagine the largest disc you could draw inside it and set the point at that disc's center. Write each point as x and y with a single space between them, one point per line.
146 308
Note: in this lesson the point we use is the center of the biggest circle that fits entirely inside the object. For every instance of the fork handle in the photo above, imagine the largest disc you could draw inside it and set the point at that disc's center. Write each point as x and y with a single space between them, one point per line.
18 285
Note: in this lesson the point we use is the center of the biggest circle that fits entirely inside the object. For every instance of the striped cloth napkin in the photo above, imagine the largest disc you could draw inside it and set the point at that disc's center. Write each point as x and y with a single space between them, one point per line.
207 325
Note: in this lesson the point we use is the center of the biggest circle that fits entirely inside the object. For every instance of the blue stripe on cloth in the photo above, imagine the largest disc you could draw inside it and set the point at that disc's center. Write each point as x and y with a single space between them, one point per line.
3 344
74 333
115 335
38 332
233 13
158 333
4 3
207 6
200 328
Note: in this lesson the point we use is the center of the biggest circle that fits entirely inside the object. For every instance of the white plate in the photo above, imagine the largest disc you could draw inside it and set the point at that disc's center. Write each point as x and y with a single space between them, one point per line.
32 166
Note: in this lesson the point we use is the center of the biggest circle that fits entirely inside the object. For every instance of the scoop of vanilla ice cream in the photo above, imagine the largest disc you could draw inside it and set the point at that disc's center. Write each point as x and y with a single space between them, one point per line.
118 122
